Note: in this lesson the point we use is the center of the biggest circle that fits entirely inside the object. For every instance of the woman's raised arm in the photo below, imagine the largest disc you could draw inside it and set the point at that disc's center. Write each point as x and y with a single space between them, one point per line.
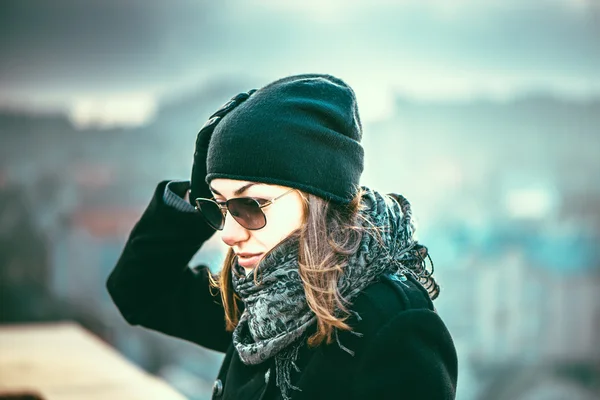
152 284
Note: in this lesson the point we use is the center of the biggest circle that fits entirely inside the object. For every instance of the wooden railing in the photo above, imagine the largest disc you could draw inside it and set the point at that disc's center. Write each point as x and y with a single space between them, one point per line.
65 362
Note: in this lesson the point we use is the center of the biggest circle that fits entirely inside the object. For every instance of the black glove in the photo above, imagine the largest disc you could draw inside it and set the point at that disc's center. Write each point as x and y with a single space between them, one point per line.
198 185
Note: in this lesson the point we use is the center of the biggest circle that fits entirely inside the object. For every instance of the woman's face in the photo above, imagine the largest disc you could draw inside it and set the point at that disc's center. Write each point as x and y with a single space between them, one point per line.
284 216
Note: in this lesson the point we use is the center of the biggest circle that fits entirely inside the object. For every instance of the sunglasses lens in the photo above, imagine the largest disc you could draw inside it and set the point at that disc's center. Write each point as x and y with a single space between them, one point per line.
211 213
247 213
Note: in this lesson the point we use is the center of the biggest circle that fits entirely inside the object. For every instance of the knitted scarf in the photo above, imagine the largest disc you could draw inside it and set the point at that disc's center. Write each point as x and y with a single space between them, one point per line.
276 316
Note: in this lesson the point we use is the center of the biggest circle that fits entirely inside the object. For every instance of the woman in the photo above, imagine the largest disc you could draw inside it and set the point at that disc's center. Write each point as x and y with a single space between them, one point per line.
324 292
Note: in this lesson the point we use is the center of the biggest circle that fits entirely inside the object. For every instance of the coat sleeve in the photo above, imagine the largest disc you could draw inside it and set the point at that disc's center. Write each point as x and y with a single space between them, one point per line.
153 286
411 357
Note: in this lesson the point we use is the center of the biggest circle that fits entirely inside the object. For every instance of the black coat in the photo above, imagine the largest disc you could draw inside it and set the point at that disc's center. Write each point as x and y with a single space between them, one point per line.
405 352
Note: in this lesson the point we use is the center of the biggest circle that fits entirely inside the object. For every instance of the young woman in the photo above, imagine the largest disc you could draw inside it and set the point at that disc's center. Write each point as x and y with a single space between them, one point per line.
324 292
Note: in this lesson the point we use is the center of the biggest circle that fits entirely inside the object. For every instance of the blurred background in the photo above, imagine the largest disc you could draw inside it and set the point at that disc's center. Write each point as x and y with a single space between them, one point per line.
484 114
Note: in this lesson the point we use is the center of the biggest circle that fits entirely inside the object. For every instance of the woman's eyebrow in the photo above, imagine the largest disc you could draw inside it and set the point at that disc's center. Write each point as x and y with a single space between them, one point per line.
238 191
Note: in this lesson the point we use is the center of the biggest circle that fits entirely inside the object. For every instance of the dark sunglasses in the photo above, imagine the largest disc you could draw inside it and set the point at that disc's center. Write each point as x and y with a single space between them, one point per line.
247 211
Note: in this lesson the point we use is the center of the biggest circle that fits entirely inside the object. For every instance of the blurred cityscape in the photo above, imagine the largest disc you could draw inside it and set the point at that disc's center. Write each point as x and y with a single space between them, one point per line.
506 195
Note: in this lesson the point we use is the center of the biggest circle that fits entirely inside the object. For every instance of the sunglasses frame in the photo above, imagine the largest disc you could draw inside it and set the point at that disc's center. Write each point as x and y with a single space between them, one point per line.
224 208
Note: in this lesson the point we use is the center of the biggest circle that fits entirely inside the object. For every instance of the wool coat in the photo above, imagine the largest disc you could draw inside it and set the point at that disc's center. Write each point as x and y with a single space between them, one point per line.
405 351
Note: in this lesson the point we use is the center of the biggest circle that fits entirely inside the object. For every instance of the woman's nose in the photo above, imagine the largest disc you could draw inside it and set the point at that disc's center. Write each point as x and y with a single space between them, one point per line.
233 232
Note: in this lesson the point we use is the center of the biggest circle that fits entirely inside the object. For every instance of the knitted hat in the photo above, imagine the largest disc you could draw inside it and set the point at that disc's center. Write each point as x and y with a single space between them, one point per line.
302 131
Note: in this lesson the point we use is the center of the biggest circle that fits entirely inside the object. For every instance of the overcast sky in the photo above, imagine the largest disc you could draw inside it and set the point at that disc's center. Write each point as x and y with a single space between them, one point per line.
129 53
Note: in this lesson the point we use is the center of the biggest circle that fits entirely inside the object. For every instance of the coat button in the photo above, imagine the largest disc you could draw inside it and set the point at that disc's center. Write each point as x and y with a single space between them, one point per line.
217 388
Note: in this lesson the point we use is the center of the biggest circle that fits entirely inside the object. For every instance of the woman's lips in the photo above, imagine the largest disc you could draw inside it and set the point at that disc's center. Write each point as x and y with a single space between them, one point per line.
248 260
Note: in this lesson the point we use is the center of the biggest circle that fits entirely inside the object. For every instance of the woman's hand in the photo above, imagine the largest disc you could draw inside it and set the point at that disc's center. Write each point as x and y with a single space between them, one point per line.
198 185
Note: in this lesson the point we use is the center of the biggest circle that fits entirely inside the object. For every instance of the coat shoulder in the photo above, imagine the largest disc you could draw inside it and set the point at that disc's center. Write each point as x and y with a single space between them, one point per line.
398 346
384 300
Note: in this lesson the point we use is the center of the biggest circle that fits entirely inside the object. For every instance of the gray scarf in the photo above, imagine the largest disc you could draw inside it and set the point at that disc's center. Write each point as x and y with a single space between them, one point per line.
276 314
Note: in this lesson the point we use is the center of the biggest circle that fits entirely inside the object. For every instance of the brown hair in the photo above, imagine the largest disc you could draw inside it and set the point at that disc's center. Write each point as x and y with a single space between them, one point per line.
320 263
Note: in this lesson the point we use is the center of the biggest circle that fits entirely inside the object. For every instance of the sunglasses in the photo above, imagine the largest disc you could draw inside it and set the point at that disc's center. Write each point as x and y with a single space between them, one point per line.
247 211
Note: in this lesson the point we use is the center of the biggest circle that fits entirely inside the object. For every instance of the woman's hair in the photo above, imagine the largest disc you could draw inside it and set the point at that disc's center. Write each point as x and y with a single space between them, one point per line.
320 263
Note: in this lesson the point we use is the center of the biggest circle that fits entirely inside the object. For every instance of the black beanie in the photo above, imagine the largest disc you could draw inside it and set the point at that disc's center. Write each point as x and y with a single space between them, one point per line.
302 131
